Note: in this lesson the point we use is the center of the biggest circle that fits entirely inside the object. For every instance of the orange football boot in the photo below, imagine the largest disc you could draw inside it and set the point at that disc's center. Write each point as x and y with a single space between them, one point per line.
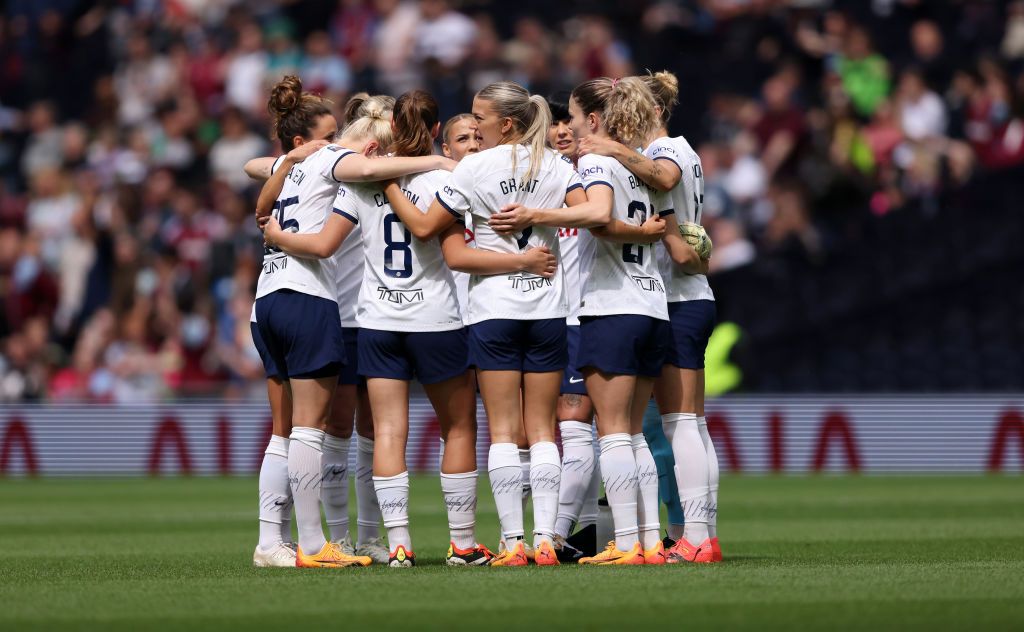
683 551
544 555
612 556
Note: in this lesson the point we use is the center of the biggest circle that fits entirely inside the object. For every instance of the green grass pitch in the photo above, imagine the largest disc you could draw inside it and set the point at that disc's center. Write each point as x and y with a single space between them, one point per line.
822 552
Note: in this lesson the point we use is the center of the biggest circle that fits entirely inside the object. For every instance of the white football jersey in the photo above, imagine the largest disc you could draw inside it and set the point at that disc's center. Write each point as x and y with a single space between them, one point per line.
462 278
621 278
481 185
406 285
303 207
348 262
687 199
569 248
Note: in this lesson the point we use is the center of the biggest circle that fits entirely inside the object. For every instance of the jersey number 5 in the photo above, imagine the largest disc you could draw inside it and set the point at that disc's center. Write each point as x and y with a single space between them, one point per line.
286 224
392 246
628 254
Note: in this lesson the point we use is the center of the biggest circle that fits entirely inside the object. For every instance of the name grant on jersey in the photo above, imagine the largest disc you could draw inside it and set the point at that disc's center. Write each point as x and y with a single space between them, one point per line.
510 185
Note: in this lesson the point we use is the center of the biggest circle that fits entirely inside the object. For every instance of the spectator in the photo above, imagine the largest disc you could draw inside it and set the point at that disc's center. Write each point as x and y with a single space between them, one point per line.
922 112
247 71
863 72
323 71
236 145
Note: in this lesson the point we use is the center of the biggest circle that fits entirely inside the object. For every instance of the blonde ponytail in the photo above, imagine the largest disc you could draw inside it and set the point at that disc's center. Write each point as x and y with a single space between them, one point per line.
530 116
370 117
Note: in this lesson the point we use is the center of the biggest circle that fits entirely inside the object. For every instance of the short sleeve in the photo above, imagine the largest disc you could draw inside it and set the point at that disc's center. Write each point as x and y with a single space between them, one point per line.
574 182
665 151
454 193
661 203
345 204
332 156
592 172
277 163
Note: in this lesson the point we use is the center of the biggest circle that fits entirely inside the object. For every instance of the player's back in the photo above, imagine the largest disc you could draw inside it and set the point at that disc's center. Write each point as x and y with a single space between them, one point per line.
687 200
620 278
406 284
303 207
484 183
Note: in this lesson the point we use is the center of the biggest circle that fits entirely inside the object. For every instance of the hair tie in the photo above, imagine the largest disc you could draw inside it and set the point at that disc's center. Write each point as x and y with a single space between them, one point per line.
614 81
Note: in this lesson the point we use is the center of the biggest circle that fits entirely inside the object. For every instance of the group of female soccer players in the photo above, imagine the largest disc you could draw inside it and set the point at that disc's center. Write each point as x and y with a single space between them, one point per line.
561 307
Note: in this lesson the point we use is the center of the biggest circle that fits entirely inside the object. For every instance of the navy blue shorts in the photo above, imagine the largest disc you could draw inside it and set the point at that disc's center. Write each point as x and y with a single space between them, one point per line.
692 324
623 344
350 372
572 381
301 335
534 346
428 356
268 362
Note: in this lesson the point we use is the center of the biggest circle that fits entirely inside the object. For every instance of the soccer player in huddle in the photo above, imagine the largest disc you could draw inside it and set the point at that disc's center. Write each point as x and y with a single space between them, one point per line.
296 332
623 316
669 164
581 476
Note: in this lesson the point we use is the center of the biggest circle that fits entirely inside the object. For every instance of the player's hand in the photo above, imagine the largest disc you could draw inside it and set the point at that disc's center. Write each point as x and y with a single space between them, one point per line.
305 150
539 261
598 145
271 229
654 227
513 218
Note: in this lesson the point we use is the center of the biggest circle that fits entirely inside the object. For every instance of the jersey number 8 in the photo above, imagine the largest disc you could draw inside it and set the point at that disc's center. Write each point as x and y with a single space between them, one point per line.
392 246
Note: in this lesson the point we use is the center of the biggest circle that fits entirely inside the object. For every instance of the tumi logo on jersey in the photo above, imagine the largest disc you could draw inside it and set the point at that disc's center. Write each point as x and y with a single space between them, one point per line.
528 283
272 266
649 284
399 297
592 171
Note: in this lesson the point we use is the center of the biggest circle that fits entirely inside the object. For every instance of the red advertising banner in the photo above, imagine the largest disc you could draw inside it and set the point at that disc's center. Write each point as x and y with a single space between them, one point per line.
897 434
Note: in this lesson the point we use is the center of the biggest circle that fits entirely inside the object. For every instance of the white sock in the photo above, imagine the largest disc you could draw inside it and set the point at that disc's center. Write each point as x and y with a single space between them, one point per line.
524 463
691 471
368 510
618 468
506 474
589 512
304 475
460 499
675 531
334 493
393 496
275 494
545 479
578 461
711 506
647 493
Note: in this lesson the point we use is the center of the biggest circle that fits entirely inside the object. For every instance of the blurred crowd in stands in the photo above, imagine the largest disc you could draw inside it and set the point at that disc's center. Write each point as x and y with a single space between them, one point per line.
128 254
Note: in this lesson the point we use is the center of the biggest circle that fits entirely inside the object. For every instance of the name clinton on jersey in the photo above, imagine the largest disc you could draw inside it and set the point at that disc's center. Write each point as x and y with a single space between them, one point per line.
382 199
